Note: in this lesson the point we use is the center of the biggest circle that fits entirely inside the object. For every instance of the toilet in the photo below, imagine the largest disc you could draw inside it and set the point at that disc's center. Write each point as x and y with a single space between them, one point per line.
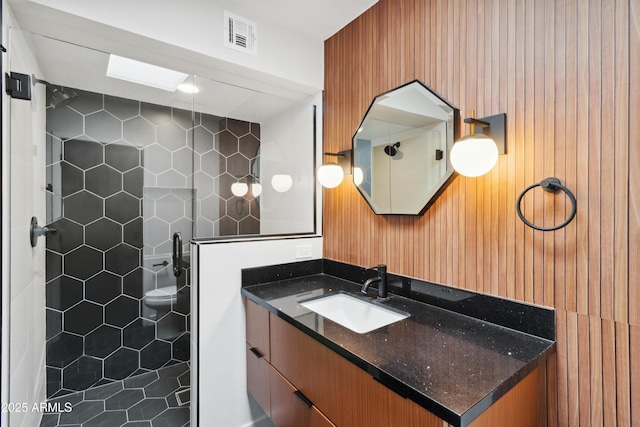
160 301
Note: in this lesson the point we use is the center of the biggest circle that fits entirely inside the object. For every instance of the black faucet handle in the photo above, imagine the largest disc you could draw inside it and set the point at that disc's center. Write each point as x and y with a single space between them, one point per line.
379 267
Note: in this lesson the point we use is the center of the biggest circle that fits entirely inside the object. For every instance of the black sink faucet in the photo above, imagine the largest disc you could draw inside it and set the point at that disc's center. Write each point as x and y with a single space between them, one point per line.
382 282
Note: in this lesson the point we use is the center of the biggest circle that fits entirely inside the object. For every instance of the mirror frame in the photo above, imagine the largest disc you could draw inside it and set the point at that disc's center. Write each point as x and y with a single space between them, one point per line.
450 173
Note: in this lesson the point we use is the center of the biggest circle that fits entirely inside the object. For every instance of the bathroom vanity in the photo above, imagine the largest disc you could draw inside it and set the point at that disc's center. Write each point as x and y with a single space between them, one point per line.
465 358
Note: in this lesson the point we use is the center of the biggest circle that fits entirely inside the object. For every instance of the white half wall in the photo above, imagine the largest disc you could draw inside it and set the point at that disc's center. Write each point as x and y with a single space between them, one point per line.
218 324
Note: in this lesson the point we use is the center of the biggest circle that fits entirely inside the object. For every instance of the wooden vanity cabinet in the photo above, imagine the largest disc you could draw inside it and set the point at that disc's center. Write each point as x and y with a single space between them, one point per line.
345 395
280 400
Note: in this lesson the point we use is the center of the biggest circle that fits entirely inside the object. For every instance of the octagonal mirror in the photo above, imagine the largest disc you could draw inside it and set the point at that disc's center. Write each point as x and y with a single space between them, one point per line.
401 150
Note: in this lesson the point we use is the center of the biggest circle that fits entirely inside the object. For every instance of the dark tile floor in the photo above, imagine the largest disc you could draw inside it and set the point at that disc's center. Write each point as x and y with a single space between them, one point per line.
147 400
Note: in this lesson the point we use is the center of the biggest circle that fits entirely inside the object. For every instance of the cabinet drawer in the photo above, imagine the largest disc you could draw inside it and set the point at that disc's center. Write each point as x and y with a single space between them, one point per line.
258 328
258 379
289 409
306 363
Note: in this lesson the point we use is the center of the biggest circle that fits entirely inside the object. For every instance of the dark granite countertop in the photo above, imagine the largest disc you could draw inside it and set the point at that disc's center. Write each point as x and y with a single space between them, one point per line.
452 364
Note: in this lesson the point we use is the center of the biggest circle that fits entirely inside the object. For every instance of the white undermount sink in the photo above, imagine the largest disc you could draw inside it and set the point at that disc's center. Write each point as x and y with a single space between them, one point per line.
357 314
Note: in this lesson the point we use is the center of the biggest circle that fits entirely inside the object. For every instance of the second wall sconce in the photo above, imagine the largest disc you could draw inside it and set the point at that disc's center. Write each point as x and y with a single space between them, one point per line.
477 153
282 182
239 189
331 174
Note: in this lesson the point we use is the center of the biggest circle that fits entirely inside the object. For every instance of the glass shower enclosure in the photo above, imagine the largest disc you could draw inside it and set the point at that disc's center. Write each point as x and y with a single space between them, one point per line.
124 176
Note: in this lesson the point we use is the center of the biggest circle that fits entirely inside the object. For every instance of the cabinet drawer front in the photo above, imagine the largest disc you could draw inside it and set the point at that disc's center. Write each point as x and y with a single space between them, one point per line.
258 378
305 362
290 409
258 328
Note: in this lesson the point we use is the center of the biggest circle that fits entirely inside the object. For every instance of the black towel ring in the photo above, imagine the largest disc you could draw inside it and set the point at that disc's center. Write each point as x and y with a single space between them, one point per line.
551 185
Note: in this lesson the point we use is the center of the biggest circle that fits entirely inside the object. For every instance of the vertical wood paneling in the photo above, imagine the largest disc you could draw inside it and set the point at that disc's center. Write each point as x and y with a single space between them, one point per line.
634 366
594 108
634 154
516 121
582 155
622 294
595 364
562 71
607 188
584 370
623 375
538 76
570 140
549 167
563 368
594 143
608 371
528 143
559 150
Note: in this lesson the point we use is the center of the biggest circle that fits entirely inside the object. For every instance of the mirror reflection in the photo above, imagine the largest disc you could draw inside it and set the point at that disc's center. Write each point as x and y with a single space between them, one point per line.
401 150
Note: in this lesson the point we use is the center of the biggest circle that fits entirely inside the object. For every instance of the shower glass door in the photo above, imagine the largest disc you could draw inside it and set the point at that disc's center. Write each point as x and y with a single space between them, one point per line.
110 169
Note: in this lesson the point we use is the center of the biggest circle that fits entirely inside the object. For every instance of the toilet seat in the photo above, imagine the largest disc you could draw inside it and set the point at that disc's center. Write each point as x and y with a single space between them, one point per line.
161 297
166 292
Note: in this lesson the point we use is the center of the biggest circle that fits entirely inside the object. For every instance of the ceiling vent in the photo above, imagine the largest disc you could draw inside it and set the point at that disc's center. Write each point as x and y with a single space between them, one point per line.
240 33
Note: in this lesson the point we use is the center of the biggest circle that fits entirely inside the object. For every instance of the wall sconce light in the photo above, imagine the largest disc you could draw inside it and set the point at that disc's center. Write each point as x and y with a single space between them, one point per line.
477 153
282 183
239 189
331 174
358 175
256 189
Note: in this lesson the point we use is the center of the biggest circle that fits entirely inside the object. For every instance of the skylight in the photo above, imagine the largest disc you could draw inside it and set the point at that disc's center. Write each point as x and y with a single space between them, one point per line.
144 74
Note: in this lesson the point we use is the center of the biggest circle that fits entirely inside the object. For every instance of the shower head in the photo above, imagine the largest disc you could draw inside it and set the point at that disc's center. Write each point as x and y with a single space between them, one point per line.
392 150
59 97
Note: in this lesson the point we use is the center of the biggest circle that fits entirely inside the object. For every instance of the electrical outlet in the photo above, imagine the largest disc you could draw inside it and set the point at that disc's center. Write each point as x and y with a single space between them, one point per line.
303 251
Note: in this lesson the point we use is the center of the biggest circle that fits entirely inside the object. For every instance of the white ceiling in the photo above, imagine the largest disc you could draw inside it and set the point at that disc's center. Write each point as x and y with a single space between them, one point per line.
59 61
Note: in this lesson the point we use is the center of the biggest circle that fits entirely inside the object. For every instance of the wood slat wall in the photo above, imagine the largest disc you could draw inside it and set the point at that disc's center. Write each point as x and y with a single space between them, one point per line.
567 74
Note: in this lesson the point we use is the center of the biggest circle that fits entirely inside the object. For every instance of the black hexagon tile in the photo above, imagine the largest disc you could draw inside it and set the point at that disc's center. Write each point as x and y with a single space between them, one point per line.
103 341
103 180
121 311
83 153
83 318
121 364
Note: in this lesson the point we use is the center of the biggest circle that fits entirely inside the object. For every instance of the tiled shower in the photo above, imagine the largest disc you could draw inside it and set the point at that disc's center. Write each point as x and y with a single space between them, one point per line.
122 177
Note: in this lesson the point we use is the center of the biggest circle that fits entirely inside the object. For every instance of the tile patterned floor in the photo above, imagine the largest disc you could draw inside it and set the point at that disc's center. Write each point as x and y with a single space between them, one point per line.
147 400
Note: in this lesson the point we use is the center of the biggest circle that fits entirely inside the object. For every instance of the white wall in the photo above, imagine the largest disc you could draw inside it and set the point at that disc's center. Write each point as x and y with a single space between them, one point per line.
287 148
219 323
24 146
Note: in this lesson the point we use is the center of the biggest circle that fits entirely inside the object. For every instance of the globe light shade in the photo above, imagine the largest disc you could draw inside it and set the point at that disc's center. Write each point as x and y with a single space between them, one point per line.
256 189
474 155
330 175
358 176
239 189
281 183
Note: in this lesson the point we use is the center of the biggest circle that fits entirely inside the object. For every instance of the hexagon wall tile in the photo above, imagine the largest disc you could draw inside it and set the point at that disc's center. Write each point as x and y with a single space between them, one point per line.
83 318
83 153
103 180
